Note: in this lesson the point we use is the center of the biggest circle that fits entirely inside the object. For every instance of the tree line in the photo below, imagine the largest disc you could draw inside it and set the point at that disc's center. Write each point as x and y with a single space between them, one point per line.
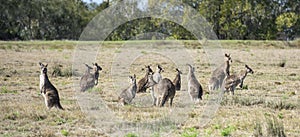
230 19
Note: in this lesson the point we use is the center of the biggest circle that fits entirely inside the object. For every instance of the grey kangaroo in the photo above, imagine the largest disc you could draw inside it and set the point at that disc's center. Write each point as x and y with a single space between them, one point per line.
194 87
142 84
162 91
232 81
128 94
48 91
90 79
219 74
177 80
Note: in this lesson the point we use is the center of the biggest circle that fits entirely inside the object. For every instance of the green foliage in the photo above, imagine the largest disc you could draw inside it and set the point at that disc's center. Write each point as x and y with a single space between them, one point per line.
280 116
131 135
230 19
64 132
208 132
190 132
227 131
156 134
286 20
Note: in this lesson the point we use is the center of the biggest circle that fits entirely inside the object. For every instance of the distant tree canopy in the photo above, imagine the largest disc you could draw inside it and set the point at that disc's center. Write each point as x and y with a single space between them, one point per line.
230 19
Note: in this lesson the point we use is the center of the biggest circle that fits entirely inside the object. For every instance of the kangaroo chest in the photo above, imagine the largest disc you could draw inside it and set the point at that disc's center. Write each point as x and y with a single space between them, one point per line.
42 81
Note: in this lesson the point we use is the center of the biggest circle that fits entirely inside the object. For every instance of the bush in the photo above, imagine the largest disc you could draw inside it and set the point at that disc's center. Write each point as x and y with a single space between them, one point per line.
58 71
280 105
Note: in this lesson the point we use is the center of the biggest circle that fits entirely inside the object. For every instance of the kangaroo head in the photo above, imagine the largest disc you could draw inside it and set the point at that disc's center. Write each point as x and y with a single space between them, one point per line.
150 81
228 58
149 70
179 72
191 68
132 79
88 68
159 68
249 70
96 67
43 68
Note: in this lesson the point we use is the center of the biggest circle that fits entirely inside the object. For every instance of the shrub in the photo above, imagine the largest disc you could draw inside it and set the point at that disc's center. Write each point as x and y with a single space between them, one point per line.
58 71
280 105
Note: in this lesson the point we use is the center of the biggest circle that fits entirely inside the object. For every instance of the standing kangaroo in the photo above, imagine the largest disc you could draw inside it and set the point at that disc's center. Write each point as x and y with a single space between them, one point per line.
177 80
48 91
142 84
157 76
128 94
89 80
96 69
232 81
194 87
162 91
219 74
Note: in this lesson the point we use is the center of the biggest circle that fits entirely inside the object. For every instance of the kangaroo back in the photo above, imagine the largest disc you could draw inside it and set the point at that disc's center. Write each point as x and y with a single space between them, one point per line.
162 92
168 91
177 80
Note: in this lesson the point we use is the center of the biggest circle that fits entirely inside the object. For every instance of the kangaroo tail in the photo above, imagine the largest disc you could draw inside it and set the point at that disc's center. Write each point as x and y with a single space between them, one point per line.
164 99
200 93
59 106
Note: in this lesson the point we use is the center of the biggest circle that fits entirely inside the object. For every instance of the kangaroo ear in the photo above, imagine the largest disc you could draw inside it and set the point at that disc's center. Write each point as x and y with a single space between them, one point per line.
46 65
41 64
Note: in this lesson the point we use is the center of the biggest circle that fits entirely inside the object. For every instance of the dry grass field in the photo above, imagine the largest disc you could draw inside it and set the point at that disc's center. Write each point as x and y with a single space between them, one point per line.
267 105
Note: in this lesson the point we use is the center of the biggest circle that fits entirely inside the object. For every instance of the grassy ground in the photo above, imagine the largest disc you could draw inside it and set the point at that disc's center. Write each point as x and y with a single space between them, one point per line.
268 104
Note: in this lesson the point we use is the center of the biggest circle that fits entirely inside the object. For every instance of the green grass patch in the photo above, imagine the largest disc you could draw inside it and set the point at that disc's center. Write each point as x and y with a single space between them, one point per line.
131 135
194 44
64 132
190 132
12 116
227 131
4 90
